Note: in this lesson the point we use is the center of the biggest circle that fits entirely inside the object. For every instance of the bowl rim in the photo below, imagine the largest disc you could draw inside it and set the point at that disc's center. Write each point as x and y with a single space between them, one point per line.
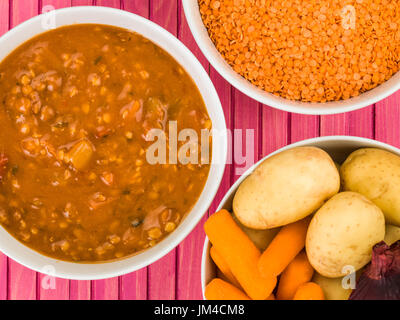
199 32
302 143
96 271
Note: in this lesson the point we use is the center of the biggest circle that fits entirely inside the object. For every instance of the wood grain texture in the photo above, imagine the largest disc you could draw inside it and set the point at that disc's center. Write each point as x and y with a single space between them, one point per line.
165 13
225 93
387 120
58 290
79 290
105 289
108 3
303 127
361 123
140 7
82 2
274 133
4 16
133 286
337 124
246 135
22 281
57 4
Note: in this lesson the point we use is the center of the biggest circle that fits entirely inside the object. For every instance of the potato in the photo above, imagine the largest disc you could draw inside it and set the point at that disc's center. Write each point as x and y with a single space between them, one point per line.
392 234
375 173
343 232
286 188
332 287
261 238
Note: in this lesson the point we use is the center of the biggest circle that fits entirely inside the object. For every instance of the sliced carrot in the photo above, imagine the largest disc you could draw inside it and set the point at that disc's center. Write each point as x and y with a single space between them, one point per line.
222 290
309 291
284 248
223 267
240 254
298 272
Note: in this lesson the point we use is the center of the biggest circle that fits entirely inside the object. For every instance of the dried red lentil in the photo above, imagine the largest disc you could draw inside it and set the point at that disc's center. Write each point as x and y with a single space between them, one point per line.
323 50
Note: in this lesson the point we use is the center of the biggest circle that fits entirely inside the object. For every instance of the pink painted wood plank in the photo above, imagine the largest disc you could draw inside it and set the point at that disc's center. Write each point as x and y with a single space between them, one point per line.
189 264
80 290
23 10
108 3
355 123
140 7
165 14
337 124
274 130
21 281
162 274
303 127
60 290
4 24
246 138
134 286
387 113
82 2
105 289
161 278
361 122
57 4
4 16
3 276
225 93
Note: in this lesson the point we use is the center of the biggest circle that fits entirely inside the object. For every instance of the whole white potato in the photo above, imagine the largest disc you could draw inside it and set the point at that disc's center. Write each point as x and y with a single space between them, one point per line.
343 232
332 287
375 173
392 234
261 238
286 188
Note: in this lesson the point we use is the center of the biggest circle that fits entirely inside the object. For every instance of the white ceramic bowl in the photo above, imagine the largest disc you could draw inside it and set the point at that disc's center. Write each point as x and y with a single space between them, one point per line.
339 147
101 15
200 34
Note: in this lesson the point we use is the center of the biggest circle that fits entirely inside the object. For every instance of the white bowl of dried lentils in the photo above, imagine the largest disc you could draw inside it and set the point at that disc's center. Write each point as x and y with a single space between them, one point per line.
322 57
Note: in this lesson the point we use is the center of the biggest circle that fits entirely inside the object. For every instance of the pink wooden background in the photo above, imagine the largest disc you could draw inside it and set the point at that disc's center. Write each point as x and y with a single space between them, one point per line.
177 276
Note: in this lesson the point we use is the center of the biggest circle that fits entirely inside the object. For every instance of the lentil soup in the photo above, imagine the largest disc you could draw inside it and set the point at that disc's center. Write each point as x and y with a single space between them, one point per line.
76 104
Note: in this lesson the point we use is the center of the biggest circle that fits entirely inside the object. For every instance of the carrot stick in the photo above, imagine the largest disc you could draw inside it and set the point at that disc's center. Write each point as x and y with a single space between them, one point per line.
222 290
271 297
298 272
309 291
223 267
240 254
284 248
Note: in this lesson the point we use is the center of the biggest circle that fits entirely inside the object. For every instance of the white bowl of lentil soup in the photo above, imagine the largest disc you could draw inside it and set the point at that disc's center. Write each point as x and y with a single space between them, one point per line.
324 57
90 111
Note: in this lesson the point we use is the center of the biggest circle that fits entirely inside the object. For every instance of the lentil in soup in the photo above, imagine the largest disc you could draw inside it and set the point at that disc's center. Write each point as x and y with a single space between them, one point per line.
75 106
